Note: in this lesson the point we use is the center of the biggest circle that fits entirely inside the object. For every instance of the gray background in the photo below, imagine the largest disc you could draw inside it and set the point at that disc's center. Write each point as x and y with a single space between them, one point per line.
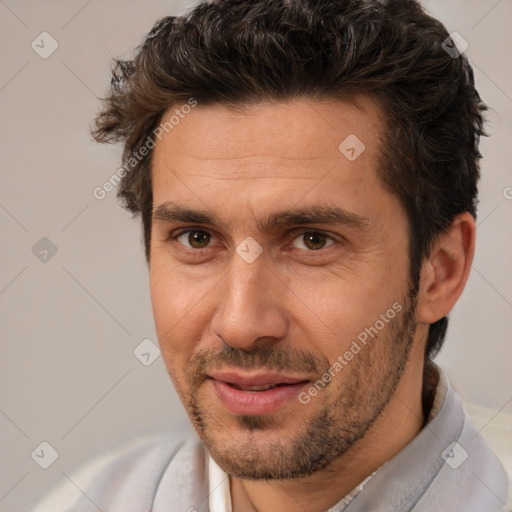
69 325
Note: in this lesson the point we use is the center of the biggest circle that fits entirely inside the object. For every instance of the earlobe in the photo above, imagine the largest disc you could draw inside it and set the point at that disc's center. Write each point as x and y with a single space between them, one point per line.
445 273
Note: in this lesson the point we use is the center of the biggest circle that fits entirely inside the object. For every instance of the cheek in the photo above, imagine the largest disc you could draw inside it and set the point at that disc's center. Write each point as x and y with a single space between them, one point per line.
335 309
172 296
181 312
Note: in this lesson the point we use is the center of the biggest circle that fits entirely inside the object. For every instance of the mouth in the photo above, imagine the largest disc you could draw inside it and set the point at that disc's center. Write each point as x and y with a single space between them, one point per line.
255 388
255 394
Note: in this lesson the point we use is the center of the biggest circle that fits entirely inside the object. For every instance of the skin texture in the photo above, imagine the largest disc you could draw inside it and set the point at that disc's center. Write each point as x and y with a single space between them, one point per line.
301 303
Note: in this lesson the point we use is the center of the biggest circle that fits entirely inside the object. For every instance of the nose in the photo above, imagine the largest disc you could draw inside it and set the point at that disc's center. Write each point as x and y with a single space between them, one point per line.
251 306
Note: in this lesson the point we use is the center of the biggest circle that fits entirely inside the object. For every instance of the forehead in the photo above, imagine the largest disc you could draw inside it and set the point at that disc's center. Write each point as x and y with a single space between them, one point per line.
296 132
268 153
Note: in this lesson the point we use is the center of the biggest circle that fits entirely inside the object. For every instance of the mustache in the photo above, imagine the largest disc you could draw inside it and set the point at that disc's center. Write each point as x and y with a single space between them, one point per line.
260 356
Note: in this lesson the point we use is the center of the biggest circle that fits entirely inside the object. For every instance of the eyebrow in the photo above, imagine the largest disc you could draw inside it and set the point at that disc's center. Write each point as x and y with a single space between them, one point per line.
322 214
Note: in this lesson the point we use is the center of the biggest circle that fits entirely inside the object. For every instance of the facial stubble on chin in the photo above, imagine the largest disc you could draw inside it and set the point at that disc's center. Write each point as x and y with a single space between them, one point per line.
260 448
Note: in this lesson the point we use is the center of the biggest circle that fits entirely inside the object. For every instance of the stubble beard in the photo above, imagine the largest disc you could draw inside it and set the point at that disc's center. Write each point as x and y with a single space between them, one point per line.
364 388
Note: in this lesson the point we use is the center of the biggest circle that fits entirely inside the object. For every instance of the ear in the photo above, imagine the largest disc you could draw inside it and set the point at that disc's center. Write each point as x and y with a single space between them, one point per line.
445 273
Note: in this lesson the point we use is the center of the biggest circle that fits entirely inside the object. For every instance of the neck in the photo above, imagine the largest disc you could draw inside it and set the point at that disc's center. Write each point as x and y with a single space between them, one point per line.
398 424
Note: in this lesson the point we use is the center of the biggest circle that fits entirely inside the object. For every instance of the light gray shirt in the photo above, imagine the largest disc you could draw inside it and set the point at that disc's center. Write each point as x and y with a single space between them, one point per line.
447 467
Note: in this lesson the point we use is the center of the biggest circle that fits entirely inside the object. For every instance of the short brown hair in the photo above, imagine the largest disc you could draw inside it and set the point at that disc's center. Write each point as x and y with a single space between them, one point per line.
239 52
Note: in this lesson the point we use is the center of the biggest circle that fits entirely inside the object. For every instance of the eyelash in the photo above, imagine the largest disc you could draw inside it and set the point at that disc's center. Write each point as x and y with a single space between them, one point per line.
175 235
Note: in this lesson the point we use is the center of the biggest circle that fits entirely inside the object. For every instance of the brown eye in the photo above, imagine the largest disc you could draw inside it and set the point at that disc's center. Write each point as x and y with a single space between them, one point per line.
312 240
196 239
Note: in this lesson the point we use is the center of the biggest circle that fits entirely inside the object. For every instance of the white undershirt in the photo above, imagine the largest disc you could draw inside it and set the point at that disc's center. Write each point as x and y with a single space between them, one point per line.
220 495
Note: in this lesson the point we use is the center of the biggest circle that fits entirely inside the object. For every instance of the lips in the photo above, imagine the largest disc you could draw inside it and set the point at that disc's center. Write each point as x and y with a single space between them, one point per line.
255 394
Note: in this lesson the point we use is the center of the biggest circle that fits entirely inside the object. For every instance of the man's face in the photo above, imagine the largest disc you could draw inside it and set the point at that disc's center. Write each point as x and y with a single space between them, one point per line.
251 329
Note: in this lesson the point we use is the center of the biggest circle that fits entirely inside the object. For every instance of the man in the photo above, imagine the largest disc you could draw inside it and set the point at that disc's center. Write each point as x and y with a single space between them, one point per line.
306 175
